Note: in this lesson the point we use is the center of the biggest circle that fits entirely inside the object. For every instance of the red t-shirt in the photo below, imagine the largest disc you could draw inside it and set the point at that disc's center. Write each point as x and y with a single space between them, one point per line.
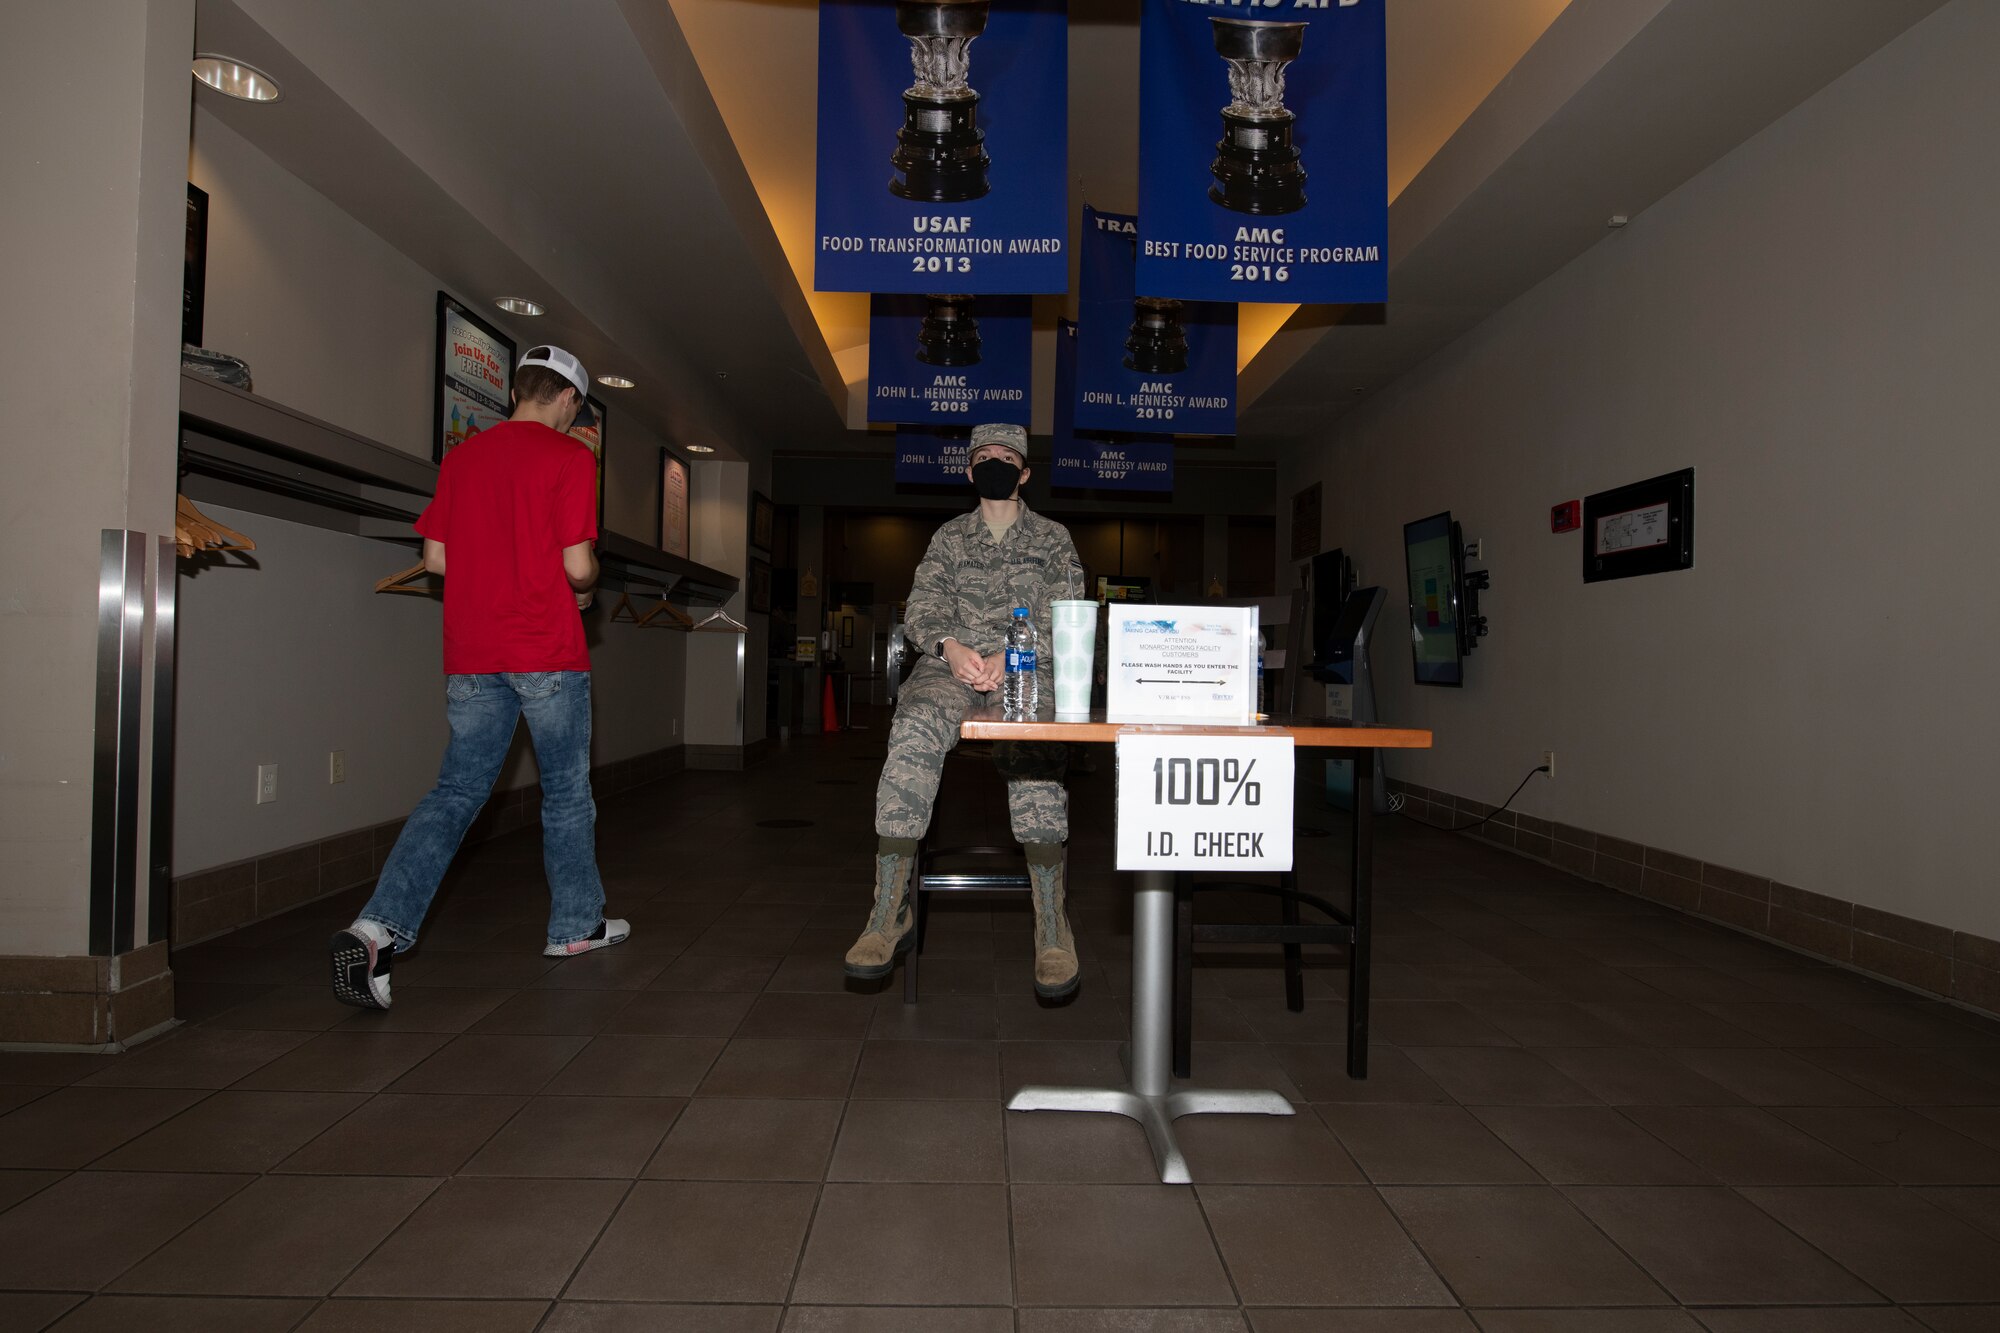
508 501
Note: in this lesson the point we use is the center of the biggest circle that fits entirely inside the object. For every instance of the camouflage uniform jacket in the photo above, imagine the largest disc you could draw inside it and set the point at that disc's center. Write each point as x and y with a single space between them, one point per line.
968 585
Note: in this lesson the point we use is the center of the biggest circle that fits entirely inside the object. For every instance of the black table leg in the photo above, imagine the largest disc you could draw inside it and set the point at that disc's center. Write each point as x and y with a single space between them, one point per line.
1363 913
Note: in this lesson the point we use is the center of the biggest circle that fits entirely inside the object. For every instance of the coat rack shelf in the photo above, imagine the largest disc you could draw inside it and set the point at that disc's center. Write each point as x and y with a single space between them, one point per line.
241 451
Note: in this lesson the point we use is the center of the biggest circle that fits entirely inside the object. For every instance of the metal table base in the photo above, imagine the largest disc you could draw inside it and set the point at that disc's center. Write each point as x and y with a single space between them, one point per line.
1148 1100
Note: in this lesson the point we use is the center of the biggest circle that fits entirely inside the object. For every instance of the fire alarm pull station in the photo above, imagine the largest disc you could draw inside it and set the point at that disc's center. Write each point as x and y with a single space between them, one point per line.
1566 517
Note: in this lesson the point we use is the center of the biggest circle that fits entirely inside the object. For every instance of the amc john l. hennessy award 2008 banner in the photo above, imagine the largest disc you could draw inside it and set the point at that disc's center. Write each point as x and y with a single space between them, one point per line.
1263 159
1101 461
943 146
929 456
1146 363
945 359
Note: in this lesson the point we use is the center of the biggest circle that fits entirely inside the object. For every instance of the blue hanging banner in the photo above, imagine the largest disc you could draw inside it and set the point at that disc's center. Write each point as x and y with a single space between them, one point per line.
950 359
1263 150
943 146
927 457
1100 461
1146 364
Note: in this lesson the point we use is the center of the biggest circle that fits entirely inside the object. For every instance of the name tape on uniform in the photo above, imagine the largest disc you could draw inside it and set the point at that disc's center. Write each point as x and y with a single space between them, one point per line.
1204 802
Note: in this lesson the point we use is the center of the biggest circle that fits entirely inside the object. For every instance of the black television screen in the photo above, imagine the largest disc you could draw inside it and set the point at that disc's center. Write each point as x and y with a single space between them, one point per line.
1433 555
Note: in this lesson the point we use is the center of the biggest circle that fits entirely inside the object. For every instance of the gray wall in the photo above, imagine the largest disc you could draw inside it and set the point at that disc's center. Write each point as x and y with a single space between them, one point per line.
1809 324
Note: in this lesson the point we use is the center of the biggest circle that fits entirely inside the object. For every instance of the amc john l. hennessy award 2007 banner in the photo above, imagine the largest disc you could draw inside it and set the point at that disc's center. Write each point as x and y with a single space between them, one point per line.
946 359
1101 461
929 456
1146 363
1263 159
943 146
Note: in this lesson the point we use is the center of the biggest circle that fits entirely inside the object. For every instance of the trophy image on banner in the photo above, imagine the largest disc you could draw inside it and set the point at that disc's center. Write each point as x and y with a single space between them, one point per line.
1257 168
940 155
1157 344
949 335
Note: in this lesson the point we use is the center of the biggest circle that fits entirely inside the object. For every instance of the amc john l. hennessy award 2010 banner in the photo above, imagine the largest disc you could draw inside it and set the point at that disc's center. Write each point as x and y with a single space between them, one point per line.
943 146
1263 159
945 359
1101 461
928 456
1147 363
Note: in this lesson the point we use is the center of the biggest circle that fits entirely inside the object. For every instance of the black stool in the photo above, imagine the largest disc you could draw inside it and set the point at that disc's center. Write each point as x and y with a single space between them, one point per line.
1288 931
938 871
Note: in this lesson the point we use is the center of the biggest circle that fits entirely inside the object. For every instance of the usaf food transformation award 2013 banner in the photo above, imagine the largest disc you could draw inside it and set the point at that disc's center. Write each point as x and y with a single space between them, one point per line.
943 146
1101 461
1263 158
1147 363
947 359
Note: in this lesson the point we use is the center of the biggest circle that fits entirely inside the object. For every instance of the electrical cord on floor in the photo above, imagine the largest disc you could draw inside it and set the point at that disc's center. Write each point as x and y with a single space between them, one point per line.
1465 828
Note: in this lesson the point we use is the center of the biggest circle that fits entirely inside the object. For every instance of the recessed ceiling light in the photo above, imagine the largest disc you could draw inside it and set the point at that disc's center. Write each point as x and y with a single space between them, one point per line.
519 305
232 78
701 448
616 382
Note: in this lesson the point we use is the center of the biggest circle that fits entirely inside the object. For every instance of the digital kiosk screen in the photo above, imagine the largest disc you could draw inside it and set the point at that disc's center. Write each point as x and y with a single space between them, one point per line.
1430 552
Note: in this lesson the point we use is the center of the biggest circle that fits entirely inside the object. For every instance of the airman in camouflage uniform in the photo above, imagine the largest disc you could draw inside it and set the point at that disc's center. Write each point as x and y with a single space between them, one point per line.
966 589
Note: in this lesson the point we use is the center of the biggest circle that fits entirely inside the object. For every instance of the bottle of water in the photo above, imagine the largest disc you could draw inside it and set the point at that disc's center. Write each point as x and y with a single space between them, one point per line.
1019 695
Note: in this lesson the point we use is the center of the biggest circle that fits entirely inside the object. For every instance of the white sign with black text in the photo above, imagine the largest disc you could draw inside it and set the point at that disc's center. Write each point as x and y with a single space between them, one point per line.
1182 661
1204 802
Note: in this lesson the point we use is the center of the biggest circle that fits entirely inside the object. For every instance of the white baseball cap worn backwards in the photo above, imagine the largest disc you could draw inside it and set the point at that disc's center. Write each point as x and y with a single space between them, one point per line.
571 369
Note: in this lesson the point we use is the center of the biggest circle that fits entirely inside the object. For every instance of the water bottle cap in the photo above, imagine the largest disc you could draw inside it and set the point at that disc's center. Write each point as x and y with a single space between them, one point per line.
1020 611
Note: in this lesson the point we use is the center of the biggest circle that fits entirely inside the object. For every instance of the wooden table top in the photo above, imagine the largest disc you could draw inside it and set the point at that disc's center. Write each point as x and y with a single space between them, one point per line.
991 724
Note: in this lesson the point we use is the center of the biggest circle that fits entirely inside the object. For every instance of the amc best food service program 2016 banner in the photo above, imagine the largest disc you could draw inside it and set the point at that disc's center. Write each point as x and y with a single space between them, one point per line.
943 146
1263 159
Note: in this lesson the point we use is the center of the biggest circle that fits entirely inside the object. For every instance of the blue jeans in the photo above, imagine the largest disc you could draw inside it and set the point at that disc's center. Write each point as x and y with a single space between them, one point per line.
482 711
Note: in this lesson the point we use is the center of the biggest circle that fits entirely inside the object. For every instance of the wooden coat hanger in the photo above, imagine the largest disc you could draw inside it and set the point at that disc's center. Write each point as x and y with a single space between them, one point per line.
195 532
674 617
625 611
403 581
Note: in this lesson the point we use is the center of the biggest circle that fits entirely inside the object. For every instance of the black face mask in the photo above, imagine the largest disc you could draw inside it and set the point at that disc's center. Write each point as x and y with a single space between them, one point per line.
995 478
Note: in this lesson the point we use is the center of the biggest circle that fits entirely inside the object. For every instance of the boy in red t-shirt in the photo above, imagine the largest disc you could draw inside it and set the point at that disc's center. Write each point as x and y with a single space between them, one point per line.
516 515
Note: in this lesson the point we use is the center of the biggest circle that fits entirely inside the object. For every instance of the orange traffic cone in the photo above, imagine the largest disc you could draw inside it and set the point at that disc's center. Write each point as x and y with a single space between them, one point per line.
829 716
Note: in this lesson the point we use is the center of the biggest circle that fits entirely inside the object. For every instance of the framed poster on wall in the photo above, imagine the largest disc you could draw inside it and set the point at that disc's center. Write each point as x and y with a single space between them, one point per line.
1644 528
763 521
475 377
593 438
760 585
673 534
194 269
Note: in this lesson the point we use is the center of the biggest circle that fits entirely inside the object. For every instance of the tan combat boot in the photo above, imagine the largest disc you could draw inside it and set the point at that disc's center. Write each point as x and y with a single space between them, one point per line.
1055 945
891 928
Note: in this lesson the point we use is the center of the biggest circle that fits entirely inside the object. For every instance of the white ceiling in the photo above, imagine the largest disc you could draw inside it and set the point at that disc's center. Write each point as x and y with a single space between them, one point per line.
647 170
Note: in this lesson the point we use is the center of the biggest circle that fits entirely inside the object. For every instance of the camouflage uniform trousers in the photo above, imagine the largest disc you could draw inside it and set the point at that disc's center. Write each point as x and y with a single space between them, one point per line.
929 709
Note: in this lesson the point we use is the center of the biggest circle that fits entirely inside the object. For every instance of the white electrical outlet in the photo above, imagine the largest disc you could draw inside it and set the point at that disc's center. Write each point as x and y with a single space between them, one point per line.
336 766
1476 549
267 783
1549 763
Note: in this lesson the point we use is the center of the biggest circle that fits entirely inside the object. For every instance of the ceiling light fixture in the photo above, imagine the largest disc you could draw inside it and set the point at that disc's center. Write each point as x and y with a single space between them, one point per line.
616 382
518 305
701 448
232 78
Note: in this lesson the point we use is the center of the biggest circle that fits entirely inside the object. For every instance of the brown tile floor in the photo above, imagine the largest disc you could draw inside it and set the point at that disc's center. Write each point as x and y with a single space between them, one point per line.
1584 1114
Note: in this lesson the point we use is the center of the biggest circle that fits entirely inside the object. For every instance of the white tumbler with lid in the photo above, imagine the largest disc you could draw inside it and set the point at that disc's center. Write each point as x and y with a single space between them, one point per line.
1075 635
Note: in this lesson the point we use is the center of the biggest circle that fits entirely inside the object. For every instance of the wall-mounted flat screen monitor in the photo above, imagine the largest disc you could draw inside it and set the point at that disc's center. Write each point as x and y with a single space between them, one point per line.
1432 553
1124 588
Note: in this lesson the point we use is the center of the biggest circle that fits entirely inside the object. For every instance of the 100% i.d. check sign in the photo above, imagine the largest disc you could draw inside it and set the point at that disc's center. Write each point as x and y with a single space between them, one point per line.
1213 802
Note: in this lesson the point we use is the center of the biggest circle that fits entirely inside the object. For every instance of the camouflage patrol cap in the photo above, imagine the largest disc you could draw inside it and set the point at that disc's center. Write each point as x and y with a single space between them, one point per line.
1000 433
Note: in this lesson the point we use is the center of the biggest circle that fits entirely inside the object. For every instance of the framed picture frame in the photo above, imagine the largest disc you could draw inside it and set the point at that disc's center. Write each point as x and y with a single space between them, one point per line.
475 377
672 530
1644 528
760 585
1305 523
847 631
595 437
194 270
763 521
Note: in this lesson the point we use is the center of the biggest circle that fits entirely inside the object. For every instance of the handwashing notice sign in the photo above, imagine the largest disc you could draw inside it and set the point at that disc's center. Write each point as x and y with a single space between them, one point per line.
1182 662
